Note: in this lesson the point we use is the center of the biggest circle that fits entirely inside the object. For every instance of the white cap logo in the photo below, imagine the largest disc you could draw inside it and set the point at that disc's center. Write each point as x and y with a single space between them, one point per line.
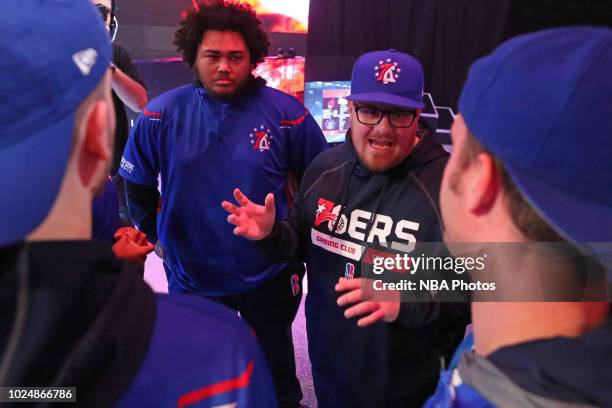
85 60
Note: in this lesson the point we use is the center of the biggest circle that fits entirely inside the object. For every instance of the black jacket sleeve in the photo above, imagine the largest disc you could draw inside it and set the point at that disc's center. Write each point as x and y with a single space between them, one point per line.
284 244
142 205
287 241
420 313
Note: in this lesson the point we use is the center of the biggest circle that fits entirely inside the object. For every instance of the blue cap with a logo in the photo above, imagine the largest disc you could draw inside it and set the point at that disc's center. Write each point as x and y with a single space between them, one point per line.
542 103
389 77
54 54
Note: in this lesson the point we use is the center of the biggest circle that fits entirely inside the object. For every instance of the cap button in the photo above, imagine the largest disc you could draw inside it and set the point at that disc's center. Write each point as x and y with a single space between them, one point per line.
391 50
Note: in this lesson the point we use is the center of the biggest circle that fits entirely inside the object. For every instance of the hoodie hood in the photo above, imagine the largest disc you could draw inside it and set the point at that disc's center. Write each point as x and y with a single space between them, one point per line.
73 315
576 370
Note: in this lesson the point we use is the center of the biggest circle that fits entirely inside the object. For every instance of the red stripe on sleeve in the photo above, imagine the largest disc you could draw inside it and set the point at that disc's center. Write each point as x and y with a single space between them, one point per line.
149 113
218 388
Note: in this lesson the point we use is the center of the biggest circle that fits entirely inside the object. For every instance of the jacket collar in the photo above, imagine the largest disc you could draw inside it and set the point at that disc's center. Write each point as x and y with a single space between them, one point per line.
87 317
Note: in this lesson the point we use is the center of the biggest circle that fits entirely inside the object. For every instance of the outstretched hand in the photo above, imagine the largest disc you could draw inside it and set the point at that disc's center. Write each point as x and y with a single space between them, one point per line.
252 221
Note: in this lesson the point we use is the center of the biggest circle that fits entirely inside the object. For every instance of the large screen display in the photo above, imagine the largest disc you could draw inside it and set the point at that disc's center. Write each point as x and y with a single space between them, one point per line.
280 16
285 74
328 105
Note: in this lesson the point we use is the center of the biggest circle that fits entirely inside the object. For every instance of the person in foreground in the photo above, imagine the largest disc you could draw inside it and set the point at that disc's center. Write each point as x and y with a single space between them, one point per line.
72 314
531 164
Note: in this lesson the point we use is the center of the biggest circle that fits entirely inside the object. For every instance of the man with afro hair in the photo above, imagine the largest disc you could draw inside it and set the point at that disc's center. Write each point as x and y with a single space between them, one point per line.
226 130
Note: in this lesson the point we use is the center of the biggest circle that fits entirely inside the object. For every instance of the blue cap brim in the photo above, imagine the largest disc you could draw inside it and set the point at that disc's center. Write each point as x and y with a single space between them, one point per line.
381 97
32 172
576 219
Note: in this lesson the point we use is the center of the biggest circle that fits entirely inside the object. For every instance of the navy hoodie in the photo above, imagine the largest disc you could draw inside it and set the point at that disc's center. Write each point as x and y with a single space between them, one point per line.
577 370
337 206
72 314
556 372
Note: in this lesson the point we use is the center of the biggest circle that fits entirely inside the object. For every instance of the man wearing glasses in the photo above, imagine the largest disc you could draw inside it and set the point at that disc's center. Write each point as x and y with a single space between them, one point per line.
377 193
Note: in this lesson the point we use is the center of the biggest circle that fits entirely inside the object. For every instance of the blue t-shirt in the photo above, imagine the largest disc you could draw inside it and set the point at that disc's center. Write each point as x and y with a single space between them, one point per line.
203 148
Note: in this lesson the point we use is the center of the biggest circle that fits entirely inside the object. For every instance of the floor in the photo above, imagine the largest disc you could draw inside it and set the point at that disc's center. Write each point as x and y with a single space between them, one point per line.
156 278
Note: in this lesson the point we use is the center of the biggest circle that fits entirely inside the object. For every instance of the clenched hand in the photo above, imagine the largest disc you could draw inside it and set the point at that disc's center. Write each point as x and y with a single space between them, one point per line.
370 311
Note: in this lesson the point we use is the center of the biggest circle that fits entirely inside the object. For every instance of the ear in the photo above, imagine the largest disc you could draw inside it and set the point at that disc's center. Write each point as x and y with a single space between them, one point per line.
418 115
484 185
97 132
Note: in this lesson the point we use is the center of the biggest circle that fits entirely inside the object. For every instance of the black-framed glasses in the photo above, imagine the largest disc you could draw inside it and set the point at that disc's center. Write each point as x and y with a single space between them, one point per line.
397 118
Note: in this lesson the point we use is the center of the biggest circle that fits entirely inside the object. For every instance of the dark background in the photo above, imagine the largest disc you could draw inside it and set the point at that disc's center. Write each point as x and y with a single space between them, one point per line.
445 35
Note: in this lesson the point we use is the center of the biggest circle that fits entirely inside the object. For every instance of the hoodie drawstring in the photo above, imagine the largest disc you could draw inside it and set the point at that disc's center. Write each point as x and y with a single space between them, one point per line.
344 197
376 208
343 207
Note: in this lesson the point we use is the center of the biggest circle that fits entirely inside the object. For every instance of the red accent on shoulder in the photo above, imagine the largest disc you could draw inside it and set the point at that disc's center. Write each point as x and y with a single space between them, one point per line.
221 387
149 113
296 121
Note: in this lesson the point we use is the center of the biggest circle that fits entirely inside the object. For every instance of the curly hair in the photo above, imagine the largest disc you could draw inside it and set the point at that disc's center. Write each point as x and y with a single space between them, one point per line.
222 15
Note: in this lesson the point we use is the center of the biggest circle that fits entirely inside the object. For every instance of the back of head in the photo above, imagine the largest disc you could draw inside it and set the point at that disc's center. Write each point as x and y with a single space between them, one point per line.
542 104
54 54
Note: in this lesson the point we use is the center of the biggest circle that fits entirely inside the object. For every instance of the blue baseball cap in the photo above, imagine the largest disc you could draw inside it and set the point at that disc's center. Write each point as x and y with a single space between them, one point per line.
390 77
54 54
542 103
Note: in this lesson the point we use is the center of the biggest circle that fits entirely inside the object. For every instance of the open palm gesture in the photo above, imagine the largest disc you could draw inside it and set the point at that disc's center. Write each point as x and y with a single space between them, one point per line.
252 221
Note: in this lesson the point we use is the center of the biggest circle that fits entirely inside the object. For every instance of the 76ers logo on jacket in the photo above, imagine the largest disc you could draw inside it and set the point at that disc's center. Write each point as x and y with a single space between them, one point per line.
327 211
261 138
387 71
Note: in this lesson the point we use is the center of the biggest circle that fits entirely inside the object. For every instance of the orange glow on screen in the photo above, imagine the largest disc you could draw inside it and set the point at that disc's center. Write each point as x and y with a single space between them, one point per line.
284 16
